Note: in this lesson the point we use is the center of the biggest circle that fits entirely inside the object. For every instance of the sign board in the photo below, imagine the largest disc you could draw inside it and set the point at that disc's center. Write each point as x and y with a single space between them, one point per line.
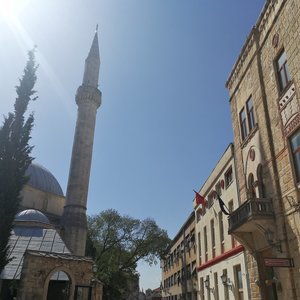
279 262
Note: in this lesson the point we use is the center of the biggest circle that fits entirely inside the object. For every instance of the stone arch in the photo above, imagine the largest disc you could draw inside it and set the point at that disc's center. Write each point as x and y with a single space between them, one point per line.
67 272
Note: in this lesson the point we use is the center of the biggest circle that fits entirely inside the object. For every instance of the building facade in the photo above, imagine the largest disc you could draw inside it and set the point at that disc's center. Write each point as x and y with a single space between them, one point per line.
264 98
221 267
179 280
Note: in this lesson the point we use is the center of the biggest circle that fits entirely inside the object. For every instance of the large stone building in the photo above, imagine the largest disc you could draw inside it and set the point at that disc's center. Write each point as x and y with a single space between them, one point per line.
221 268
47 245
179 278
264 98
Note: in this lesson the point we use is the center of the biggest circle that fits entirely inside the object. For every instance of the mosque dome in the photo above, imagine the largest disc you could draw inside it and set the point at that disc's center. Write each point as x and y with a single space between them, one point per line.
43 179
32 215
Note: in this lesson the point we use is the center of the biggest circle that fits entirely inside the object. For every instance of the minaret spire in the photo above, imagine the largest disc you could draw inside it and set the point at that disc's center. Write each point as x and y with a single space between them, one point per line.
88 99
92 64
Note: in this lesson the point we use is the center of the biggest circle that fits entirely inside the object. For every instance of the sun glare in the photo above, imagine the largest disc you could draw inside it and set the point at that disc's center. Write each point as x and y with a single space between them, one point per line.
8 10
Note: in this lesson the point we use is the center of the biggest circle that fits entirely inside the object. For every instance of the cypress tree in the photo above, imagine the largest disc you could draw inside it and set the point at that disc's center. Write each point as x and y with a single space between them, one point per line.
15 155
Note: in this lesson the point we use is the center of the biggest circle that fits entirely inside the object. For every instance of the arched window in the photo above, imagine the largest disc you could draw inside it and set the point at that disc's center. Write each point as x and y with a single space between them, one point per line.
260 179
59 286
251 186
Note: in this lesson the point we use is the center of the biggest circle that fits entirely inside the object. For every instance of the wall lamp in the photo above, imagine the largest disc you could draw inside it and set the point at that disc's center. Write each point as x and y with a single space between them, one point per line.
94 268
207 284
226 281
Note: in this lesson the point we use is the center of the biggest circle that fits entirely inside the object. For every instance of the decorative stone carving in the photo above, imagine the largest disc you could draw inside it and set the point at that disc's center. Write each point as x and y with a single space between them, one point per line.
289 109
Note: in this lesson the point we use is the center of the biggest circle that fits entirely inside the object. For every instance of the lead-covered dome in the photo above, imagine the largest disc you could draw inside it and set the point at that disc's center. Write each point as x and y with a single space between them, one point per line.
32 215
43 179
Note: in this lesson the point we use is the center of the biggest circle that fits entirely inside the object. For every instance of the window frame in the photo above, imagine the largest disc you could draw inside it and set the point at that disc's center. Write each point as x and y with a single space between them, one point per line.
243 124
285 68
294 152
221 231
210 200
250 114
199 248
231 209
205 243
239 281
226 176
213 237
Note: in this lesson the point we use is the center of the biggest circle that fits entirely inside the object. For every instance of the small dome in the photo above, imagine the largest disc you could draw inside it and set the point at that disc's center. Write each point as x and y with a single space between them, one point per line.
43 179
32 215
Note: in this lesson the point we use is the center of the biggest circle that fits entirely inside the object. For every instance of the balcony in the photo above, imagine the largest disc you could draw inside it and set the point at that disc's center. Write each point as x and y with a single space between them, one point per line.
244 218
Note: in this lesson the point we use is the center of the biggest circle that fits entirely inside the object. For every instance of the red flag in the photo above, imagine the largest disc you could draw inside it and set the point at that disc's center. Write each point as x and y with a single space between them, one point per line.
199 199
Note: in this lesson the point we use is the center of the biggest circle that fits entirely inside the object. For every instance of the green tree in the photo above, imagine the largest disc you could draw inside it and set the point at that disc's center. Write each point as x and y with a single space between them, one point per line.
117 243
15 155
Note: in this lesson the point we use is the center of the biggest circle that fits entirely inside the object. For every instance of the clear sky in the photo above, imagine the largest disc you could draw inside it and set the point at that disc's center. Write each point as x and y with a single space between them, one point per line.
165 117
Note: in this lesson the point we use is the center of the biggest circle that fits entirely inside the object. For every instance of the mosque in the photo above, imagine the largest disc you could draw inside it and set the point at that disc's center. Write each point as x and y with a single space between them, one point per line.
47 245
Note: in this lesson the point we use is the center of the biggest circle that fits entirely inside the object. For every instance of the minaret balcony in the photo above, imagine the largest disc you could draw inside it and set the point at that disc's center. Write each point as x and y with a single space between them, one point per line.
252 212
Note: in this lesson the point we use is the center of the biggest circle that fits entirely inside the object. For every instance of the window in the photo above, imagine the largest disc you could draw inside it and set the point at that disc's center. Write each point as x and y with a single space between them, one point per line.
82 292
188 271
194 269
205 243
201 288
295 146
213 238
228 177
198 214
247 119
239 281
183 274
216 286
283 73
260 179
226 290
250 114
193 238
210 200
199 247
230 208
221 229
251 186
219 188
243 124
208 289
178 278
178 252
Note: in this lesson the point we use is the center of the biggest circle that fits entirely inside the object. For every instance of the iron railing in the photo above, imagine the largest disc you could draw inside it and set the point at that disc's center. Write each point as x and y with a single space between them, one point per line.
251 209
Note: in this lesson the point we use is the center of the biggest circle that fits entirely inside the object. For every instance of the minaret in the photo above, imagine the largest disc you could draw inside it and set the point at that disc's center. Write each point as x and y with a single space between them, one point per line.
88 99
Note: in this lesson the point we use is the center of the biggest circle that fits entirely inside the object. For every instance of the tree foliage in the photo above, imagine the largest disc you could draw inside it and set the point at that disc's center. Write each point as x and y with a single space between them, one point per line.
15 155
118 242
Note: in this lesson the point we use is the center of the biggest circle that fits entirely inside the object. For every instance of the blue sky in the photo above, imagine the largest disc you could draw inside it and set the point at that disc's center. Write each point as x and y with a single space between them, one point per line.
165 118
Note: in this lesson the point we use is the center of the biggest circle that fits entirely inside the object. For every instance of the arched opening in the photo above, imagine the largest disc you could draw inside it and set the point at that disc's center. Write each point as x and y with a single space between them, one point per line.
261 186
59 286
251 186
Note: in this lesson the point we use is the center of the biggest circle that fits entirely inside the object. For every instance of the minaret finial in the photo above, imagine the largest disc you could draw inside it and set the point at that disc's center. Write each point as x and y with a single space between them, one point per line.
92 64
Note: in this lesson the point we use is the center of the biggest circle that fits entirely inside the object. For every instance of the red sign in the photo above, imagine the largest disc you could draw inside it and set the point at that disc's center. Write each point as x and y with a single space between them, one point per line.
279 262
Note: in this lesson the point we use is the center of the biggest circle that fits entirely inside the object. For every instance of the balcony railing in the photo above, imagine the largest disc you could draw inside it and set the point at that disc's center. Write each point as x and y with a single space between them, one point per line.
249 210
